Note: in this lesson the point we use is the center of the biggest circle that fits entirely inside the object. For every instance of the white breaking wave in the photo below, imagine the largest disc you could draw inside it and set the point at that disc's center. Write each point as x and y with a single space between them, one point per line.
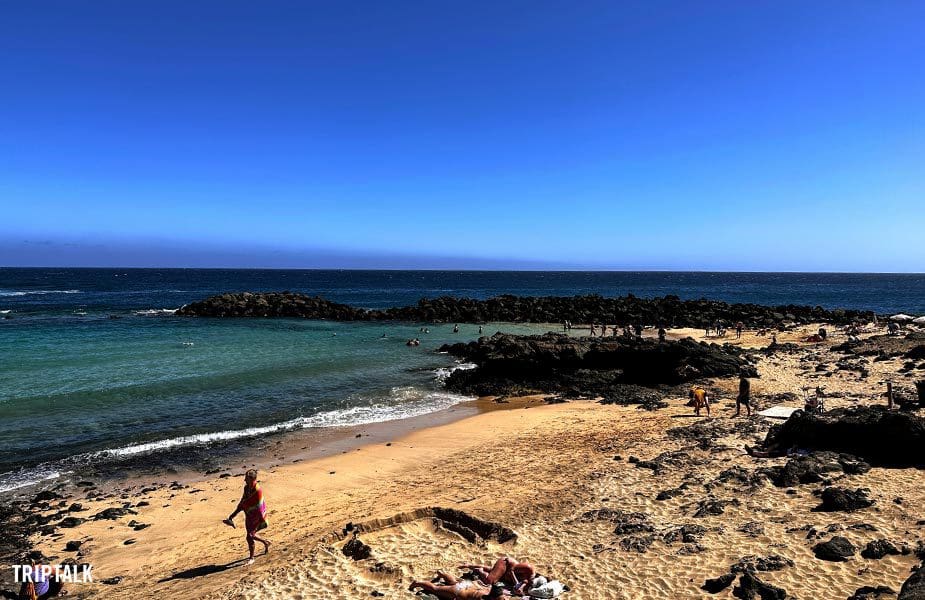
442 373
15 480
409 401
413 404
4 312
9 293
156 312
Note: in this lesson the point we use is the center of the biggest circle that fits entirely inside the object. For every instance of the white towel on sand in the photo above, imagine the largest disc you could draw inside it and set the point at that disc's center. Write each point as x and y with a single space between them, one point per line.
550 589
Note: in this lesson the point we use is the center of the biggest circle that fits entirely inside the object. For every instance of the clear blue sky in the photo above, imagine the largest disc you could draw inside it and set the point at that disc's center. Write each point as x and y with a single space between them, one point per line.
757 135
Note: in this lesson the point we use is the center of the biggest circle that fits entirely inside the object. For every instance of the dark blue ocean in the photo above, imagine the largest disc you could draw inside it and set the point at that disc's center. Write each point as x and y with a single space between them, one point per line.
94 366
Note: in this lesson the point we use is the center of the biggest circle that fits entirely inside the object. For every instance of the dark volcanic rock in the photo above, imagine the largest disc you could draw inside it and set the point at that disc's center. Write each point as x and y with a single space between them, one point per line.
528 358
718 584
837 549
665 461
752 588
586 366
70 522
914 587
837 499
686 534
356 549
637 543
872 593
672 493
112 514
711 507
625 522
773 562
815 468
669 310
877 549
876 435
706 432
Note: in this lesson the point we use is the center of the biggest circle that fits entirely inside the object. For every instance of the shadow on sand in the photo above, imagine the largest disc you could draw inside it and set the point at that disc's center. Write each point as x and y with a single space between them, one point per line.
203 571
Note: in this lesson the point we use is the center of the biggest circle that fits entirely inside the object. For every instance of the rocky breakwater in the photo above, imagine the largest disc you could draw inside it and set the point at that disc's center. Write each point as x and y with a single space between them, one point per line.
273 304
592 367
669 311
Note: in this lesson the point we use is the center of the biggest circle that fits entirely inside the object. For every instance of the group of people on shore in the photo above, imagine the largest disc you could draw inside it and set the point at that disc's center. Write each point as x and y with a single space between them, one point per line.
628 331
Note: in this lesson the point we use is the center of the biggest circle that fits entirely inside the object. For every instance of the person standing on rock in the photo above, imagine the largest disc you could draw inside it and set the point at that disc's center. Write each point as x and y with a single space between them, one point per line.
744 397
254 508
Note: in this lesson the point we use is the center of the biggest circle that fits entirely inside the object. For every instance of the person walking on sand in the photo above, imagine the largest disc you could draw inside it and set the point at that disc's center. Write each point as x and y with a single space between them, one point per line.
744 397
254 508
739 327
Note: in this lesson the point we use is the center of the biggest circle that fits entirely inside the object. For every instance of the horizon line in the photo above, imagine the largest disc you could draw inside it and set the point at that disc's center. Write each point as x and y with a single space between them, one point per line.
466 270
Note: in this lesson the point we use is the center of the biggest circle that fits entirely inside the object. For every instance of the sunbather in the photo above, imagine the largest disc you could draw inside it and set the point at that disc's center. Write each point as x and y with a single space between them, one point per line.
505 570
459 589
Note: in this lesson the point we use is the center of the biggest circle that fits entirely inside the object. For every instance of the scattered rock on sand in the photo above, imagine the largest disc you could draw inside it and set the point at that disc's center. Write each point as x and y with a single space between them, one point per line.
713 507
877 549
687 534
718 584
752 588
838 499
70 522
815 468
772 562
356 549
114 513
637 543
837 549
753 528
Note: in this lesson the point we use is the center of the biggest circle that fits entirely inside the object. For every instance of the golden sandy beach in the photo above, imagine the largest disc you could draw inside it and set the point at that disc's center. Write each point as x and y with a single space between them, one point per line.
546 471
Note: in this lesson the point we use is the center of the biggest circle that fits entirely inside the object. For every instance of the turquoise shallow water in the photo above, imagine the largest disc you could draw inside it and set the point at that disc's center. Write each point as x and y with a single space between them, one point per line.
140 384
94 369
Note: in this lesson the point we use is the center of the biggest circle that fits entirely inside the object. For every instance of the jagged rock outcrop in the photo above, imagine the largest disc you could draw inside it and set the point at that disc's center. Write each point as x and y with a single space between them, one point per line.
878 436
585 366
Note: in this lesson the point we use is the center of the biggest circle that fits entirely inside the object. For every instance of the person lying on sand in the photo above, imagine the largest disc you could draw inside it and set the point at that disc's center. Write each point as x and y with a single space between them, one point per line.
505 570
459 589
254 508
